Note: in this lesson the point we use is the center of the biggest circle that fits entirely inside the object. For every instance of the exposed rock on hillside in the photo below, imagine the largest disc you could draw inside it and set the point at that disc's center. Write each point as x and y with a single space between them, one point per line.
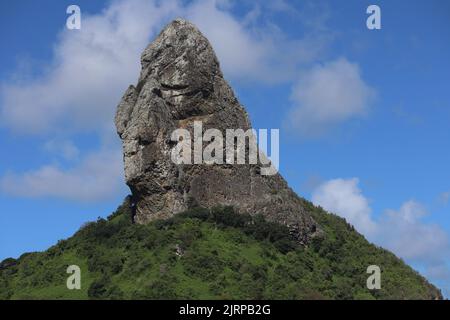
181 82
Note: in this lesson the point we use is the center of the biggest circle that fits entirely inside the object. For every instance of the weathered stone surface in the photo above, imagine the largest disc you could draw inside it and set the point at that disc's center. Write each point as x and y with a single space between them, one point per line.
181 82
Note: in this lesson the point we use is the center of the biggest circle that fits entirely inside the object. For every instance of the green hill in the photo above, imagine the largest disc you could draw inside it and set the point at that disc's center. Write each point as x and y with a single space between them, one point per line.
210 254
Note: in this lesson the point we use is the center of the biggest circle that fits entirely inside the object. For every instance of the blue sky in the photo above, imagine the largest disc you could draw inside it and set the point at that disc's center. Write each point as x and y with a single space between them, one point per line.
363 114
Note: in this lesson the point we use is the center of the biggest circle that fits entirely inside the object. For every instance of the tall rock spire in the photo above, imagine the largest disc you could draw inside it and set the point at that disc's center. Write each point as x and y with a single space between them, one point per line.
181 83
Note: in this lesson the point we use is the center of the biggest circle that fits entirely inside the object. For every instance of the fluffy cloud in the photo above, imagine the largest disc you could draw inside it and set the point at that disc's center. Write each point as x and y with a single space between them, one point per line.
402 231
93 66
79 89
252 53
90 71
425 245
240 52
97 177
345 198
327 95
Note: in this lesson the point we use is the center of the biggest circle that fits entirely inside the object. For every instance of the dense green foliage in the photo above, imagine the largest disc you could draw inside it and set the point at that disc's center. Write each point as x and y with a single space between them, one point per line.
210 254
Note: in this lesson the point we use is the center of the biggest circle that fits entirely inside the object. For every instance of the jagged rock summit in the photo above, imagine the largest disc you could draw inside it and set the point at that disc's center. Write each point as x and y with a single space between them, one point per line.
181 82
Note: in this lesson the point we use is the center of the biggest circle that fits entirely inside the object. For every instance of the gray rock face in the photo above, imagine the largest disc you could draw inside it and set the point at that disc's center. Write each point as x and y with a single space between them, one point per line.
181 82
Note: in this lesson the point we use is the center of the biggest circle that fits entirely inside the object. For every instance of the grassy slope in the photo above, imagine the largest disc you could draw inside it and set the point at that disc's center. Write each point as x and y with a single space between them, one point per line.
221 255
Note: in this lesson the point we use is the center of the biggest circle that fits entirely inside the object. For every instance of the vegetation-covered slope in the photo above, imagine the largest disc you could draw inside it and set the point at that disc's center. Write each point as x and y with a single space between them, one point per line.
210 254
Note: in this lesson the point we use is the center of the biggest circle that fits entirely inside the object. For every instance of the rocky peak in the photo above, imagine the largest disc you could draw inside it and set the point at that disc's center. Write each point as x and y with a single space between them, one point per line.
181 83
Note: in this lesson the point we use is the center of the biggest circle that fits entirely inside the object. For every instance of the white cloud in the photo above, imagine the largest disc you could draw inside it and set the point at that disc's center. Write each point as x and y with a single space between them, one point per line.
344 198
327 95
93 66
241 55
97 177
402 231
78 90
261 53
90 71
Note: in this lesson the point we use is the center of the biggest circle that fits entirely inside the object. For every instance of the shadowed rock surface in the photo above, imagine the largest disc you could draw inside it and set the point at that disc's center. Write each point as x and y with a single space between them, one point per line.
181 82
